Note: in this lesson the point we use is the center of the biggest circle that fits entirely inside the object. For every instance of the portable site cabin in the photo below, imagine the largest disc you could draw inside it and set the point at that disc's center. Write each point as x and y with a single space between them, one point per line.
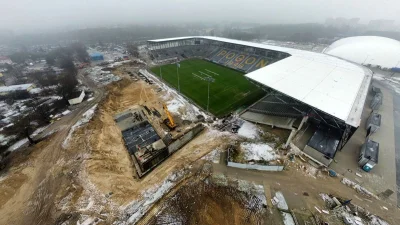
377 101
373 123
369 155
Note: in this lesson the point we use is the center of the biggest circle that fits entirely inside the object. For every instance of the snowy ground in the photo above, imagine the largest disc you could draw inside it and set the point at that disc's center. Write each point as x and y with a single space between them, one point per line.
102 77
137 209
249 130
213 156
394 82
258 151
86 117
25 141
280 202
4 140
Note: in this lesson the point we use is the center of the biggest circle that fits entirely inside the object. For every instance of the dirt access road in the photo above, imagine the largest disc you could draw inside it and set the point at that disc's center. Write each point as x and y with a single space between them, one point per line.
28 190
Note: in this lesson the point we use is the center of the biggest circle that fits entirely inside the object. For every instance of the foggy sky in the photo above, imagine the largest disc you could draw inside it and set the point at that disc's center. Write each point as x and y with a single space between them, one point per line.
28 15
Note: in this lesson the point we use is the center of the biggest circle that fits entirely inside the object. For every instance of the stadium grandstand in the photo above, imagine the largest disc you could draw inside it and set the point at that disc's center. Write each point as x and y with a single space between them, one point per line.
318 97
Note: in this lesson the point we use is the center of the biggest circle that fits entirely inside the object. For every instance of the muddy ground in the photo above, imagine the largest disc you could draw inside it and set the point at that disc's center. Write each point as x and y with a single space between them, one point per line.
92 181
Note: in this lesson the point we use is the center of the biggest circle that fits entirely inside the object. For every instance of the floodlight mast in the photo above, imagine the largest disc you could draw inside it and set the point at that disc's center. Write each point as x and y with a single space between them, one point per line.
209 80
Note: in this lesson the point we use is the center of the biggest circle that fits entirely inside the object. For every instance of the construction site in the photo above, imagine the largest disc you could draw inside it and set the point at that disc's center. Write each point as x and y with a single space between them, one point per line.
145 151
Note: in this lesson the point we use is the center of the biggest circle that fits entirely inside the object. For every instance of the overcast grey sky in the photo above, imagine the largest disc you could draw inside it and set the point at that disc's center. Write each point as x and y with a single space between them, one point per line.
44 14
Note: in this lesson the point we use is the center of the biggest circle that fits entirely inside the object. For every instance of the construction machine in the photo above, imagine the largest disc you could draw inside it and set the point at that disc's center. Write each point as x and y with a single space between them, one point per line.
169 121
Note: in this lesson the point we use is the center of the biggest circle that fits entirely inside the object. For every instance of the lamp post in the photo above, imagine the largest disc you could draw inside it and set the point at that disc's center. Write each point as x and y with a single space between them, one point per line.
177 72
209 80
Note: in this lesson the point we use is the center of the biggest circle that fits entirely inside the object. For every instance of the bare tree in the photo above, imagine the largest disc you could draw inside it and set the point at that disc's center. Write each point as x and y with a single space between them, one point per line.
133 50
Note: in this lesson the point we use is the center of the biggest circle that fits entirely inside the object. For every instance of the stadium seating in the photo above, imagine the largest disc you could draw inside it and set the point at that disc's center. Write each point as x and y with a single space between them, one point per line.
235 59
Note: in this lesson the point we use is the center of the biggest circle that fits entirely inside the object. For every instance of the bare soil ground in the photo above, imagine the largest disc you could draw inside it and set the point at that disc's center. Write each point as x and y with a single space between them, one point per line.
93 180
205 200
106 174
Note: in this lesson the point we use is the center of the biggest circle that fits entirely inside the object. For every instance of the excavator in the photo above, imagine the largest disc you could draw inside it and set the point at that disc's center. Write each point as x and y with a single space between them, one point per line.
169 121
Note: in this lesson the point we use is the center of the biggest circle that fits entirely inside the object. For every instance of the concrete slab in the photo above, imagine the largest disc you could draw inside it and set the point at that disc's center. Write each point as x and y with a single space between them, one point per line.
383 175
274 121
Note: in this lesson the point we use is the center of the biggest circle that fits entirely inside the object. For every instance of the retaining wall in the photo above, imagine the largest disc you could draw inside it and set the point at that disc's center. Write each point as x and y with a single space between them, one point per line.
184 139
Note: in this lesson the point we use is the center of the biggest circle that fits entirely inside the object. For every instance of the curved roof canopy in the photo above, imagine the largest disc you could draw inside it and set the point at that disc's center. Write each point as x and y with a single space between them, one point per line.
381 51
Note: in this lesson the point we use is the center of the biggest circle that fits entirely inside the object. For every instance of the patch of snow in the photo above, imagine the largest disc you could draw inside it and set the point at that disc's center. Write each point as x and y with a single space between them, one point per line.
89 205
18 144
377 221
258 151
102 77
393 82
213 156
358 188
66 112
35 91
288 219
25 141
249 130
86 117
39 130
115 64
174 105
8 125
88 221
5 139
281 201
90 99
136 210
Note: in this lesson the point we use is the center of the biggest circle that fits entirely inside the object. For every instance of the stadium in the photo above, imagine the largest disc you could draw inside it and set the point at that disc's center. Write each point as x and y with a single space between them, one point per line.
318 97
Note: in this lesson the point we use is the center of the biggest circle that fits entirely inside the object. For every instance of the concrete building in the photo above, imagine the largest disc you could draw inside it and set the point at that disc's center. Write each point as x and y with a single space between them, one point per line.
5 60
5 90
96 57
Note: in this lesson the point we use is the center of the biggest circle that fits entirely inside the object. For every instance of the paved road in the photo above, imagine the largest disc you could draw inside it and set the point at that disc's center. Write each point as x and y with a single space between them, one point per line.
396 119
396 115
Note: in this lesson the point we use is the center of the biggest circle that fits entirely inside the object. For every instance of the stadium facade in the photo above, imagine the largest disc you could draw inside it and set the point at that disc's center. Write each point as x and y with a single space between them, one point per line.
306 92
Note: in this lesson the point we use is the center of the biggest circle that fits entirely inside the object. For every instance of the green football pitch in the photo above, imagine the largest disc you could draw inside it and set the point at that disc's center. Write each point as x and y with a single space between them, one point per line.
229 91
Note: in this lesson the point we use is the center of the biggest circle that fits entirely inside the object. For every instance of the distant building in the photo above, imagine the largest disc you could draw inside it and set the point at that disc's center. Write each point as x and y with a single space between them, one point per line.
5 60
96 57
77 99
5 90
367 50
382 25
342 22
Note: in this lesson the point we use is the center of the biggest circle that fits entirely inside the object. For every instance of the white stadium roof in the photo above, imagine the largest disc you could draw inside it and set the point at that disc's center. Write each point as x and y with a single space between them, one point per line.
373 50
334 86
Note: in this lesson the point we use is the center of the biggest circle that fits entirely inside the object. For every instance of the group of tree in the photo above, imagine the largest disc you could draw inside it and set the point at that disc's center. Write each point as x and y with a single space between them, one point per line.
61 55
132 50
23 55
25 124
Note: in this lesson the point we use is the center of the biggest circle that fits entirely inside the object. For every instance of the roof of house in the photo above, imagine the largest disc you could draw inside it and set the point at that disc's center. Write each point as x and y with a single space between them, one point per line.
19 87
332 85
